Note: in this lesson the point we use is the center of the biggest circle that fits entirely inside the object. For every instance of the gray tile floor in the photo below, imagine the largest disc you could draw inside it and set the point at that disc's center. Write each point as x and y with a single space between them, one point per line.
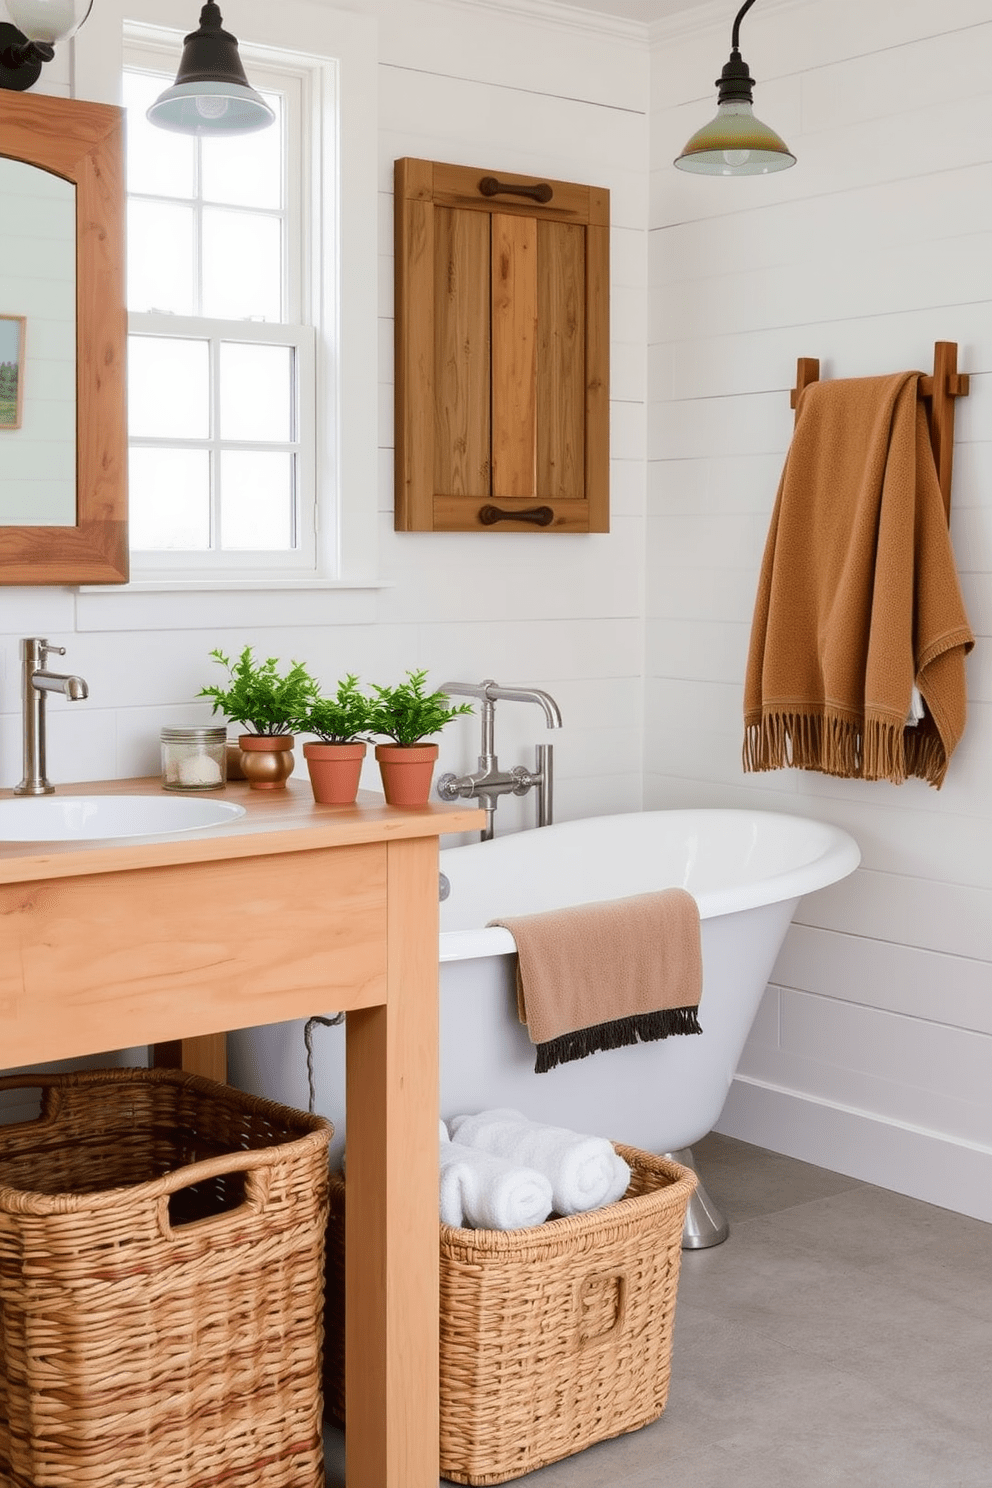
842 1336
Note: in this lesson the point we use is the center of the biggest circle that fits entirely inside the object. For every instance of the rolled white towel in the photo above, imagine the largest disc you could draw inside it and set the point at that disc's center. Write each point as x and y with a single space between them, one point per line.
489 1193
584 1172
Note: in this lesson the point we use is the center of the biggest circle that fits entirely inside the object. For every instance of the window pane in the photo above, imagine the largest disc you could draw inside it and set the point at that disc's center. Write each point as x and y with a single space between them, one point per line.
242 266
158 163
169 499
168 388
256 391
160 258
256 500
246 170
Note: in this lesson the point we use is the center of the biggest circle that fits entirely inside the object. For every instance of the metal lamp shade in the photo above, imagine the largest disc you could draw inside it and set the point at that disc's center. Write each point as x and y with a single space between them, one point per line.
211 94
30 42
735 143
48 21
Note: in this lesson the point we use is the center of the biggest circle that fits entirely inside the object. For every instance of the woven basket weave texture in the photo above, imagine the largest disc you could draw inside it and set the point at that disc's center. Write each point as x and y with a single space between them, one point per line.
552 1338
161 1286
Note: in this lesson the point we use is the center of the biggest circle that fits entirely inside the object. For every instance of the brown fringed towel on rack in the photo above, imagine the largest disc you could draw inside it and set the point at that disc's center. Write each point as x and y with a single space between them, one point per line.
604 975
858 596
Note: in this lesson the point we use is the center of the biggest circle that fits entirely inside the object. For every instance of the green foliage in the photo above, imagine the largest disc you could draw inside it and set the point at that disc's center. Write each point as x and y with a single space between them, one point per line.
259 697
406 714
341 718
8 394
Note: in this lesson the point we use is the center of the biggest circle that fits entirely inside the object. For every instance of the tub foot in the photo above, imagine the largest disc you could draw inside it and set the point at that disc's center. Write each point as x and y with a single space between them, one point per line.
704 1224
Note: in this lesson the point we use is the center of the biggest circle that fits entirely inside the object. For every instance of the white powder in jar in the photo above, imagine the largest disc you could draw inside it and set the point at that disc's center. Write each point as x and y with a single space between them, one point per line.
200 770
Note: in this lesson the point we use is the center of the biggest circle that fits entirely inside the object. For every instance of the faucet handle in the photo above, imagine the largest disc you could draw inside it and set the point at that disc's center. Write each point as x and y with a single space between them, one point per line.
48 650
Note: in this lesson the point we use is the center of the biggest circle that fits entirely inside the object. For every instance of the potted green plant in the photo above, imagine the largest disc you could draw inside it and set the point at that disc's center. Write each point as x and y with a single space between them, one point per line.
407 714
335 757
268 703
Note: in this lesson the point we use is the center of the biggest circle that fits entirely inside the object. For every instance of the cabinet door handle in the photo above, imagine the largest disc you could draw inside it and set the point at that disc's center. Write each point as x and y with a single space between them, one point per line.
541 516
489 186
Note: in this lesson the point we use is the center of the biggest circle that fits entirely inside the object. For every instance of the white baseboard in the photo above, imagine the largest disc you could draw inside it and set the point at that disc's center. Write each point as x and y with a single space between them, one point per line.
910 1160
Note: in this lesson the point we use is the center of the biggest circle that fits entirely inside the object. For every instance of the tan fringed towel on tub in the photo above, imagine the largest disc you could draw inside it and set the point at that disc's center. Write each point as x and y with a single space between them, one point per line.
599 976
858 596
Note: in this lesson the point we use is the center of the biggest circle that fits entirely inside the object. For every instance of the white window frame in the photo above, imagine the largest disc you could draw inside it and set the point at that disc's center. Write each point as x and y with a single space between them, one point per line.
340 50
302 558
297 330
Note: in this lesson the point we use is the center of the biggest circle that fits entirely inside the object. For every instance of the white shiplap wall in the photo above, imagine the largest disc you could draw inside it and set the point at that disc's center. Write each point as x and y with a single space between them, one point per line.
873 1050
494 88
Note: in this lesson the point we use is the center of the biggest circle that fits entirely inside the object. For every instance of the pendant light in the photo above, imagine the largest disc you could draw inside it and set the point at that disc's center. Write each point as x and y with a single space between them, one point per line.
211 94
735 143
39 26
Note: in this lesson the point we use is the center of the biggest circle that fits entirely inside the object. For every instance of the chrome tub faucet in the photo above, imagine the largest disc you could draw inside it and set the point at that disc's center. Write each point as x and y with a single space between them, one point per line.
36 683
489 782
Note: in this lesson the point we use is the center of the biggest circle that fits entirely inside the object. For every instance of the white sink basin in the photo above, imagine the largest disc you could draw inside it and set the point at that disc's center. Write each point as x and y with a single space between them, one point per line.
89 818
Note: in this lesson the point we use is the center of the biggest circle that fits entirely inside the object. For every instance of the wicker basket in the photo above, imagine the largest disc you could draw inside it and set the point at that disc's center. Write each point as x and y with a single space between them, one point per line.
161 1278
552 1338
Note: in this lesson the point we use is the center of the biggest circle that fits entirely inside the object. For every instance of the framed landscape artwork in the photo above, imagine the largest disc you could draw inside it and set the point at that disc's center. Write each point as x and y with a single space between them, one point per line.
11 370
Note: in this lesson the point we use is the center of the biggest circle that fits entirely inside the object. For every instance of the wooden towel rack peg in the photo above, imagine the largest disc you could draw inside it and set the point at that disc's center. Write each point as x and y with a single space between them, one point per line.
940 390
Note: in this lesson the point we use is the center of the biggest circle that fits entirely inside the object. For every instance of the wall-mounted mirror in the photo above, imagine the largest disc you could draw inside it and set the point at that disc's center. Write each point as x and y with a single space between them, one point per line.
63 444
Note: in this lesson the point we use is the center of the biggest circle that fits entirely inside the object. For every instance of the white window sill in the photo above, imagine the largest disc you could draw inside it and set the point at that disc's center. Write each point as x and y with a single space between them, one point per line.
207 604
226 586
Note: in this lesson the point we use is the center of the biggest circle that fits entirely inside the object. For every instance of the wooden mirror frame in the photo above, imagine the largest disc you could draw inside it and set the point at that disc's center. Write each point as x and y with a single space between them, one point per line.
84 143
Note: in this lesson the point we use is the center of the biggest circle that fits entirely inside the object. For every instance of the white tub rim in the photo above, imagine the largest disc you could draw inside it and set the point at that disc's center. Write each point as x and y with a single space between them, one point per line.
838 857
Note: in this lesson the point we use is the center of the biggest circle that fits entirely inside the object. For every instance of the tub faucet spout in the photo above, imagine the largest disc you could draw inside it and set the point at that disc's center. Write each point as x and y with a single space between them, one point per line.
489 782
36 683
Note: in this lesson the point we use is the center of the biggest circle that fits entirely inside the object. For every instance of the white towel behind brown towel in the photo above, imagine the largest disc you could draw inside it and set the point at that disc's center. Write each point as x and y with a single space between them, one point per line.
598 976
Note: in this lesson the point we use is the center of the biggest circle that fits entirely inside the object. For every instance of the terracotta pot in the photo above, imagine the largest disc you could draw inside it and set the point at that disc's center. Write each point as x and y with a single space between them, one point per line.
335 770
267 760
407 771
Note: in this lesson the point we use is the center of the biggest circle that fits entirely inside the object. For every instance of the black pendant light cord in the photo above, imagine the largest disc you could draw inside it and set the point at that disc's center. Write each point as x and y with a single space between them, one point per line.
735 36
735 82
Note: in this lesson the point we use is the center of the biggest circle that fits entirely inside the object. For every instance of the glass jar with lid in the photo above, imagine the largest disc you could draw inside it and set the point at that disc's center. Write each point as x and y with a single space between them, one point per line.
194 758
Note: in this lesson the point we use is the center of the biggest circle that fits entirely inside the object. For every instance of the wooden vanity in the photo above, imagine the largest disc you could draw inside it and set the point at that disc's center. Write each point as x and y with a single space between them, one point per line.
293 909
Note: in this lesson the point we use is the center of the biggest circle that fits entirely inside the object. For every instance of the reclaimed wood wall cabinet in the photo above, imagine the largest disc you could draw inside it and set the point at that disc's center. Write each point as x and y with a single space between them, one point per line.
502 352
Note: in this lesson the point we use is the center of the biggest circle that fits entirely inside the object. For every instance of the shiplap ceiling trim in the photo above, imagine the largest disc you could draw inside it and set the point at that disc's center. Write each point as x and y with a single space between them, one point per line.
703 15
710 15
557 13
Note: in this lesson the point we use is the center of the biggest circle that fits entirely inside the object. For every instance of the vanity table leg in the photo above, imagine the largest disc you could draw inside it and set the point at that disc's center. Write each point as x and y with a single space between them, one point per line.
204 1055
391 1224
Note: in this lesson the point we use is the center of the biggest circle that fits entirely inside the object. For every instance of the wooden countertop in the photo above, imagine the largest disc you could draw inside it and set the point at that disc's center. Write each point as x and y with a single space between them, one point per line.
277 821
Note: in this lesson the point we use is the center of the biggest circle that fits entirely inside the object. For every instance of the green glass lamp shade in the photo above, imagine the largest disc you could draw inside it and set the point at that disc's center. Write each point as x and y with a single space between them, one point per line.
211 94
735 143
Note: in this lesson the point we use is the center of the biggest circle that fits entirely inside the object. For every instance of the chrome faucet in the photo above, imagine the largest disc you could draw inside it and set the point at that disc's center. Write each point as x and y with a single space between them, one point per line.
489 782
36 683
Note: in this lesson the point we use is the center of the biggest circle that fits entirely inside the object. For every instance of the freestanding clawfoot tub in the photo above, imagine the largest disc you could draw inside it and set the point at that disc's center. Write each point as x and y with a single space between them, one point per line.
747 871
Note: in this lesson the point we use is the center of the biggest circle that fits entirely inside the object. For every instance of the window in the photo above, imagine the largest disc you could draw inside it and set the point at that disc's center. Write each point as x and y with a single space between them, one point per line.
221 400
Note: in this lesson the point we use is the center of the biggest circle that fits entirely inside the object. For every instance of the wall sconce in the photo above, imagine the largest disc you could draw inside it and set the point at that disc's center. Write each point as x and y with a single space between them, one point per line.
735 143
39 26
211 94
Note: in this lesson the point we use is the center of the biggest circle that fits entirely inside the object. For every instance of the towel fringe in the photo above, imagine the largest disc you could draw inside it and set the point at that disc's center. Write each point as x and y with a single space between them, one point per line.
616 1034
835 744
926 754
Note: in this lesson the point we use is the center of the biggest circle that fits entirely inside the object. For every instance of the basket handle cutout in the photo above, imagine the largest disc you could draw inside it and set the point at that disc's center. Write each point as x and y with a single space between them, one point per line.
27 1100
212 1192
206 1200
602 1303
22 1107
